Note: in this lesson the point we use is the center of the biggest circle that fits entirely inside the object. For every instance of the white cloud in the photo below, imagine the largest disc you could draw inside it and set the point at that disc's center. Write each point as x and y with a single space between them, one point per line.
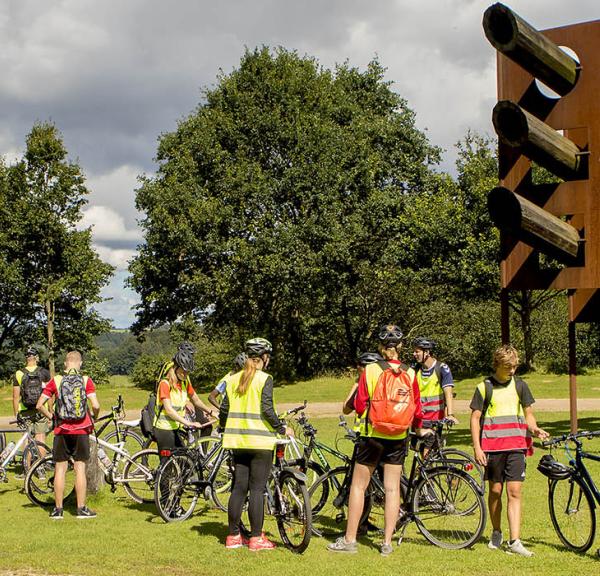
119 258
108 227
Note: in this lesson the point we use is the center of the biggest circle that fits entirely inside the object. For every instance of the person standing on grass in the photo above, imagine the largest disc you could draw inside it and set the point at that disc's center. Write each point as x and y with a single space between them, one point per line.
250 426
502 422
73 425
28 383
376 447
219 389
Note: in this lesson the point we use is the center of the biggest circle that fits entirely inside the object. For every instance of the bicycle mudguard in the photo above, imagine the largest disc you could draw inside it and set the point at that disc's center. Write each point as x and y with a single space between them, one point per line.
300 476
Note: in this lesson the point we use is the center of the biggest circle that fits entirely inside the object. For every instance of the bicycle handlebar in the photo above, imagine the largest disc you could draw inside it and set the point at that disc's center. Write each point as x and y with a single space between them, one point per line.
293 410
571 437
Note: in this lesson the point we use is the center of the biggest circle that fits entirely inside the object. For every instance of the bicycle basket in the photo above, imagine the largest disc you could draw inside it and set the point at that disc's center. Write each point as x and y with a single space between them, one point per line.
553 469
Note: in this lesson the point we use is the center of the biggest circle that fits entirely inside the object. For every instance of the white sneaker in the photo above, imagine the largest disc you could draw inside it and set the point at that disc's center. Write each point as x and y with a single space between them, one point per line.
495 540
517 547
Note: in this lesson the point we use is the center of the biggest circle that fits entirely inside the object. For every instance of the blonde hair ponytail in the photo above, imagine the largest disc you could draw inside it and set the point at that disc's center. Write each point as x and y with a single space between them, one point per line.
247 375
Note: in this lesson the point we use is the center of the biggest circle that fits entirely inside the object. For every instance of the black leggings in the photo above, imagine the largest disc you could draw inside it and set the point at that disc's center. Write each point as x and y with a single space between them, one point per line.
251 471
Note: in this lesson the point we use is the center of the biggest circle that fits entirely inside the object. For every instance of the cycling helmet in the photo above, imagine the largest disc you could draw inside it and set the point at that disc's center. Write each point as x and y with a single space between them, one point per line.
184 357
368 358
31 351
257 347
553 469
390 334
423 343
240 361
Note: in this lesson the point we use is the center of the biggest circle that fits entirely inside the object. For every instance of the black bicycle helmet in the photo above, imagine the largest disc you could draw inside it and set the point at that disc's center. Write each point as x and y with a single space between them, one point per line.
390 335
423 343
240 361
184 357
31 351
553 469
256 347
368 358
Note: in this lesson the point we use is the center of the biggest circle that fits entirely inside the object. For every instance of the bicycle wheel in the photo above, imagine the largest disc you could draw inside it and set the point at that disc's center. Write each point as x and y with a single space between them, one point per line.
572 513
313 470
39 482
175 493
215 456
139 474
33 452
449 509
463 461
329 502
293 514
133 441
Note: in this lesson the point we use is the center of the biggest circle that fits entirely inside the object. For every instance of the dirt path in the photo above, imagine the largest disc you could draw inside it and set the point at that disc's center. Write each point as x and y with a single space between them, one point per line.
461 407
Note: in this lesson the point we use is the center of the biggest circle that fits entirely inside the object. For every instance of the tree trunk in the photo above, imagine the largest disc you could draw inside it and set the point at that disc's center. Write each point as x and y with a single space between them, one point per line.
93 472
49 305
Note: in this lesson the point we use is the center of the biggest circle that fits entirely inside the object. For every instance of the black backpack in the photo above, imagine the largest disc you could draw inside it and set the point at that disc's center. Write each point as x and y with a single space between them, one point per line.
148 412
71 397
31 387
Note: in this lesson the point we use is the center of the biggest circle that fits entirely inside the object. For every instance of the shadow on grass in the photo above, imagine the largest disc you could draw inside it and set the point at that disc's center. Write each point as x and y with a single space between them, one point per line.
559 427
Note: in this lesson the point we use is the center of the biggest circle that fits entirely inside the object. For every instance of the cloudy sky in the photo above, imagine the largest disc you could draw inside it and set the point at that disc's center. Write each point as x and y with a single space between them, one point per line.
115 74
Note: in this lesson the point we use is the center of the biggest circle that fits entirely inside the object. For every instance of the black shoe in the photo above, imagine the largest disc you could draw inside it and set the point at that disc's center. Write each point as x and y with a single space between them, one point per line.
85 512
56 514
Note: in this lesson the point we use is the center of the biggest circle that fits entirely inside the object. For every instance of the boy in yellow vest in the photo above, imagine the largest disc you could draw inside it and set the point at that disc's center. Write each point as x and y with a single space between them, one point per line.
502 422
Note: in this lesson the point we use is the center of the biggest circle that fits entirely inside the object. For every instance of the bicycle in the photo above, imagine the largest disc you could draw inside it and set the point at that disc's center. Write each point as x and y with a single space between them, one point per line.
124 430
572 493
137 477
287 500
32 450
203 469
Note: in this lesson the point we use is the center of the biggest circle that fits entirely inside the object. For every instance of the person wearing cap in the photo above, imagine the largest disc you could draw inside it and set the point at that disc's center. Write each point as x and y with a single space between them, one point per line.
28 383
375 448
175 391
250 426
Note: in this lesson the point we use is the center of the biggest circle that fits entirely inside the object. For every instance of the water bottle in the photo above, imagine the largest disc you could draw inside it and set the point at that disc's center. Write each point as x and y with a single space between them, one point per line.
106 461
7 450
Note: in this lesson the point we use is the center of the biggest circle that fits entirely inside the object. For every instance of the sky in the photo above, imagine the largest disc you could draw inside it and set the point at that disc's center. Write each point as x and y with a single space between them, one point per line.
113 75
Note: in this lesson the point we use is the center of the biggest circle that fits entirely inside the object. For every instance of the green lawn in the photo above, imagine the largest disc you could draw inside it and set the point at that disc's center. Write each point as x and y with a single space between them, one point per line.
129 539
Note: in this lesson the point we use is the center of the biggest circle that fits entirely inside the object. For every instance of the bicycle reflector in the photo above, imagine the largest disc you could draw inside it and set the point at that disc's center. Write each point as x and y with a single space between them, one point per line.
468 467
553 469
280 451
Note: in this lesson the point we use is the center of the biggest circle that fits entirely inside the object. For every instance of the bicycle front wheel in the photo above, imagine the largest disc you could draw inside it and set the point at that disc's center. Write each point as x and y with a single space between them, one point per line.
293 514
572 513
449 508
39 482
139 475
133 441
218 466
175 488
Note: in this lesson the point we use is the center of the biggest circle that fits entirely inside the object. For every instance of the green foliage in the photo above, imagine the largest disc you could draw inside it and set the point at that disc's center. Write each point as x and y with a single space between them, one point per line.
51 276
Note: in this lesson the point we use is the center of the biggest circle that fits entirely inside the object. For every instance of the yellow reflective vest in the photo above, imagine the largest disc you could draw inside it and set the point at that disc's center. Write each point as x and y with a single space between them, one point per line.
178 399
246 429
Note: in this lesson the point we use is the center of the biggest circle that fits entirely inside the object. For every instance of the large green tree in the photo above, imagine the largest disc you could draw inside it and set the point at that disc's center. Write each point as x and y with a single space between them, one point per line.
275 209
54 276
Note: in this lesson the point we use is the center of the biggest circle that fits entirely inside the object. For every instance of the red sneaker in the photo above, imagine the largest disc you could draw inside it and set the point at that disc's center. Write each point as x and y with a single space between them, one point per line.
260 543
235 541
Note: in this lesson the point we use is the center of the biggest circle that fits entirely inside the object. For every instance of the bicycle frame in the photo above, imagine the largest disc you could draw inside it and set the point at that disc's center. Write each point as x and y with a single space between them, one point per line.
25 439
582 472
112 475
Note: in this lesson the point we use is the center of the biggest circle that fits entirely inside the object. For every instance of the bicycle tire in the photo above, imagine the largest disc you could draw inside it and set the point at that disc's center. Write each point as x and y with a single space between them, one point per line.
329 503
312 470
133 441
39 482
174 494
220 488
463 461
293 513
572 512
449 509
139 474
32 454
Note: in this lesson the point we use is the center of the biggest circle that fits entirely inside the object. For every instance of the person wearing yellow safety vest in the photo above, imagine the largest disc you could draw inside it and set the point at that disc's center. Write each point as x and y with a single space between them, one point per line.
250 426
502 421
174 392
375 448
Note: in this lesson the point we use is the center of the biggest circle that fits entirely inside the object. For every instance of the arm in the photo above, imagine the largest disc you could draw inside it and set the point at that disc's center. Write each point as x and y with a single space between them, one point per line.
212 398
532 424
95 405
172 414
348 406
41 406
16 398
199 404
476 437
449 401
267 408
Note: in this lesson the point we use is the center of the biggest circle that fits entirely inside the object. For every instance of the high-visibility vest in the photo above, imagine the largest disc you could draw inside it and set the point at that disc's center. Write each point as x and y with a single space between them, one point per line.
246 429
372 373
432 395
179 398
504 426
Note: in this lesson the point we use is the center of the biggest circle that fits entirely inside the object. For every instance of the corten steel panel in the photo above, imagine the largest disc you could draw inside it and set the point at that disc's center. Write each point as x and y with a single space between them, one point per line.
578 114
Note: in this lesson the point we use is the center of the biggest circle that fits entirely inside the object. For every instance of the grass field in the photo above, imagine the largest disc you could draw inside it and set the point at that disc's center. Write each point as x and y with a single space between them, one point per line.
335 388
129 539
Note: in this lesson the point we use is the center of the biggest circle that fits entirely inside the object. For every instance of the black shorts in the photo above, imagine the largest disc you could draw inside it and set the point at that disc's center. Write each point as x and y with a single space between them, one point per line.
505 466
375 451
76 446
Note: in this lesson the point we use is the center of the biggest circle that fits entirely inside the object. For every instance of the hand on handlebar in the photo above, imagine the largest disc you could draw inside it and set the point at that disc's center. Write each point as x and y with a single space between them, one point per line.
289 431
